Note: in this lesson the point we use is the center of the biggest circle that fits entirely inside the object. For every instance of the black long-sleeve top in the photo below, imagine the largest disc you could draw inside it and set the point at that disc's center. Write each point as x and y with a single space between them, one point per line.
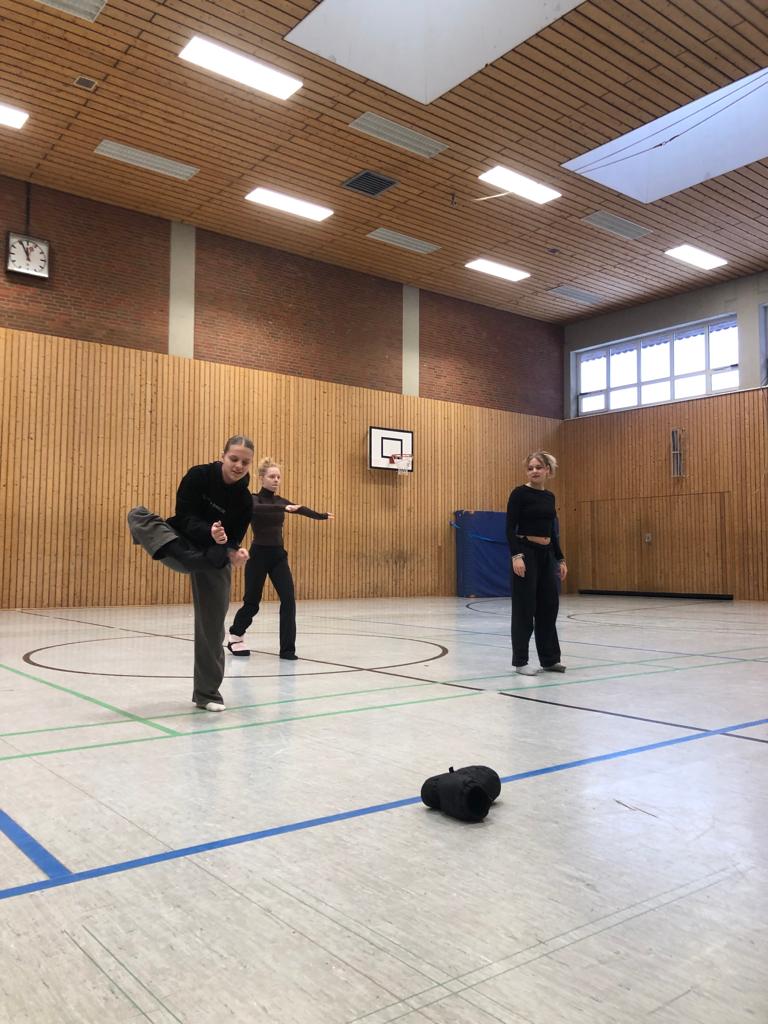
203 498
531 512
268 516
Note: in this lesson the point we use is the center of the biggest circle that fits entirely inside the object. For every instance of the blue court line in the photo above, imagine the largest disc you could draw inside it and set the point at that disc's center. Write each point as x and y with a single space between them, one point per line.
30 847
298 826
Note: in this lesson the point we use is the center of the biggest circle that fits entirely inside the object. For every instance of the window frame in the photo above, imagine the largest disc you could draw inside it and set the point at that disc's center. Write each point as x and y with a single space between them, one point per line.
636 343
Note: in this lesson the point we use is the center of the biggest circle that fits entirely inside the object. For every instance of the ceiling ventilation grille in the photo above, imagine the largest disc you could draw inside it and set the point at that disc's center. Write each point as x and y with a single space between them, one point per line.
147 161
83 82
87 9
616 225
567 291
390 131
369 183
402 241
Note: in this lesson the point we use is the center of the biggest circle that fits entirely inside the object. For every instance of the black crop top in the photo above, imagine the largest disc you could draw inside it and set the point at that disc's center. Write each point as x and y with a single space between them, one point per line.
531 512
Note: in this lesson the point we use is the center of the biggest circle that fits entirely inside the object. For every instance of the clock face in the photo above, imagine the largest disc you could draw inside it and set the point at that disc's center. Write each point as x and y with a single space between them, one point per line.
28 255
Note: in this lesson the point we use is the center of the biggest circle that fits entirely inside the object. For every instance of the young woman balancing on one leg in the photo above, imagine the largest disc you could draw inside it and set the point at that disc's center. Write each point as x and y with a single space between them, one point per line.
268 557
536 559
213 509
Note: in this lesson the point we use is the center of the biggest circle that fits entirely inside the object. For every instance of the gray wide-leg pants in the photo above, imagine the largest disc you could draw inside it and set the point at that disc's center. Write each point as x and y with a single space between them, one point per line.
210 597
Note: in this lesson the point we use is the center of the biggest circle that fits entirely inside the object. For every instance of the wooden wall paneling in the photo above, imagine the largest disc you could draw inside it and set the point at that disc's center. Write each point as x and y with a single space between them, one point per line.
91 430
720 506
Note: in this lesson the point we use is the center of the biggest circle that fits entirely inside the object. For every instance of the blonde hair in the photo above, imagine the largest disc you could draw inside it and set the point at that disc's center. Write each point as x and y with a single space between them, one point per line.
265 464
545 458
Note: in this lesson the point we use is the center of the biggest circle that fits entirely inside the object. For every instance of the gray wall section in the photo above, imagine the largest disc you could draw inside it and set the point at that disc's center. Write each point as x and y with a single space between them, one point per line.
181 305
410 340
747 297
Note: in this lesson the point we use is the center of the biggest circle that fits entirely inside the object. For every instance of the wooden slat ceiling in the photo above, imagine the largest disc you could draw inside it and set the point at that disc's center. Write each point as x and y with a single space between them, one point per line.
605 68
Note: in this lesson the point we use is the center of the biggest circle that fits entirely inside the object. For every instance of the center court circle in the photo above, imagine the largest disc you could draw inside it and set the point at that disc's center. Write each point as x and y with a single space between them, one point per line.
91 657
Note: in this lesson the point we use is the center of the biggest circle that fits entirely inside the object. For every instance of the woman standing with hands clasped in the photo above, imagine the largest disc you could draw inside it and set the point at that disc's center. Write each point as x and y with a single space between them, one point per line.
535 550
268 557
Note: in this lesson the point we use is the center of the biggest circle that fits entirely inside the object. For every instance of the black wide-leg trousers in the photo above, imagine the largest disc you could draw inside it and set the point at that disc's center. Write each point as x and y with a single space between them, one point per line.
535 603
272 561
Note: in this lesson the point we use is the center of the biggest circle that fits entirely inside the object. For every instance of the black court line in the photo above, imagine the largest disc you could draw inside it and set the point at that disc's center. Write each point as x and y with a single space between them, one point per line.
622 714
341 667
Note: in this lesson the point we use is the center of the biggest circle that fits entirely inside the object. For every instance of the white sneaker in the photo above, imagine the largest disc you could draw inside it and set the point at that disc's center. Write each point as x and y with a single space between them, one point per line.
527 670
212 705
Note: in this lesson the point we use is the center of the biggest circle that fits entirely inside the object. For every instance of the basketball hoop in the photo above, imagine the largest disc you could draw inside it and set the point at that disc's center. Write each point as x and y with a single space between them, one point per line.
402 463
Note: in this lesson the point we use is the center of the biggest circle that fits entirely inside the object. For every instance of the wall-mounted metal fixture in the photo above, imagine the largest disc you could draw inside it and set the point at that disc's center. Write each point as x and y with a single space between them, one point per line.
676 448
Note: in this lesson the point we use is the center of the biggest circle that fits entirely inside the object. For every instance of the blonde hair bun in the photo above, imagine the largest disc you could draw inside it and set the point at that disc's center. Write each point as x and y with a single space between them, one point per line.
266 463
548 460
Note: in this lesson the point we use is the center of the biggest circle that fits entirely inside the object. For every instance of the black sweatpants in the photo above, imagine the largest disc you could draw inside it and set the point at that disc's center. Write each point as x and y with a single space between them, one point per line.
272 561
535 603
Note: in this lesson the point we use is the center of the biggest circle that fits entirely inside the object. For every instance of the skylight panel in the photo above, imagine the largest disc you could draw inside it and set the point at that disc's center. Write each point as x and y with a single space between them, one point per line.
717 133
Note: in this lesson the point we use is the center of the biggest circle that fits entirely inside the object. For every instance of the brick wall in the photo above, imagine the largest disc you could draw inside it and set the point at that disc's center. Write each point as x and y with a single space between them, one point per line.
109 270
266 309
481 356
271 310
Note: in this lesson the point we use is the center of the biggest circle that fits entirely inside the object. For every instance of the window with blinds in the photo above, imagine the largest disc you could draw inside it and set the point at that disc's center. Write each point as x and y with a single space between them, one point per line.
667 366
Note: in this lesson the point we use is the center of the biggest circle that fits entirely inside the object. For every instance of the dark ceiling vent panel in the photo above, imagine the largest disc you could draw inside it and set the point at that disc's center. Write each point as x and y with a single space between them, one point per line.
369 183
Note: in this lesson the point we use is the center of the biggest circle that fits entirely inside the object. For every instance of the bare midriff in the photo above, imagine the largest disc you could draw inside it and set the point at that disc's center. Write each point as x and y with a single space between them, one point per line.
537 540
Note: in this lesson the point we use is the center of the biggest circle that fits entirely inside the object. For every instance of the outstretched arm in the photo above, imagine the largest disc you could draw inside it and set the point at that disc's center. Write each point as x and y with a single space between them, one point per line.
303 510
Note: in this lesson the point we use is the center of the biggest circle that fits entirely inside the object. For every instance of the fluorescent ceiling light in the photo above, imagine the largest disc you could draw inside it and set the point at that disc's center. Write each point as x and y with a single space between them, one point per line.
148 161
497 270
239 67
511 181
12 116
696 257
288 204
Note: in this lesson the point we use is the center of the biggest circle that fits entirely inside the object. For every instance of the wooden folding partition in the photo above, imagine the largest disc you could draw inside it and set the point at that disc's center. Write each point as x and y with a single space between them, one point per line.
708 528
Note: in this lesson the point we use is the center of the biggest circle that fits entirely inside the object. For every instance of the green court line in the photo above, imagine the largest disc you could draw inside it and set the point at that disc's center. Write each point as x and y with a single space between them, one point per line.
230 707
381 689
313 697
246 725
64 728
92 746
343 711
297 700
93 700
